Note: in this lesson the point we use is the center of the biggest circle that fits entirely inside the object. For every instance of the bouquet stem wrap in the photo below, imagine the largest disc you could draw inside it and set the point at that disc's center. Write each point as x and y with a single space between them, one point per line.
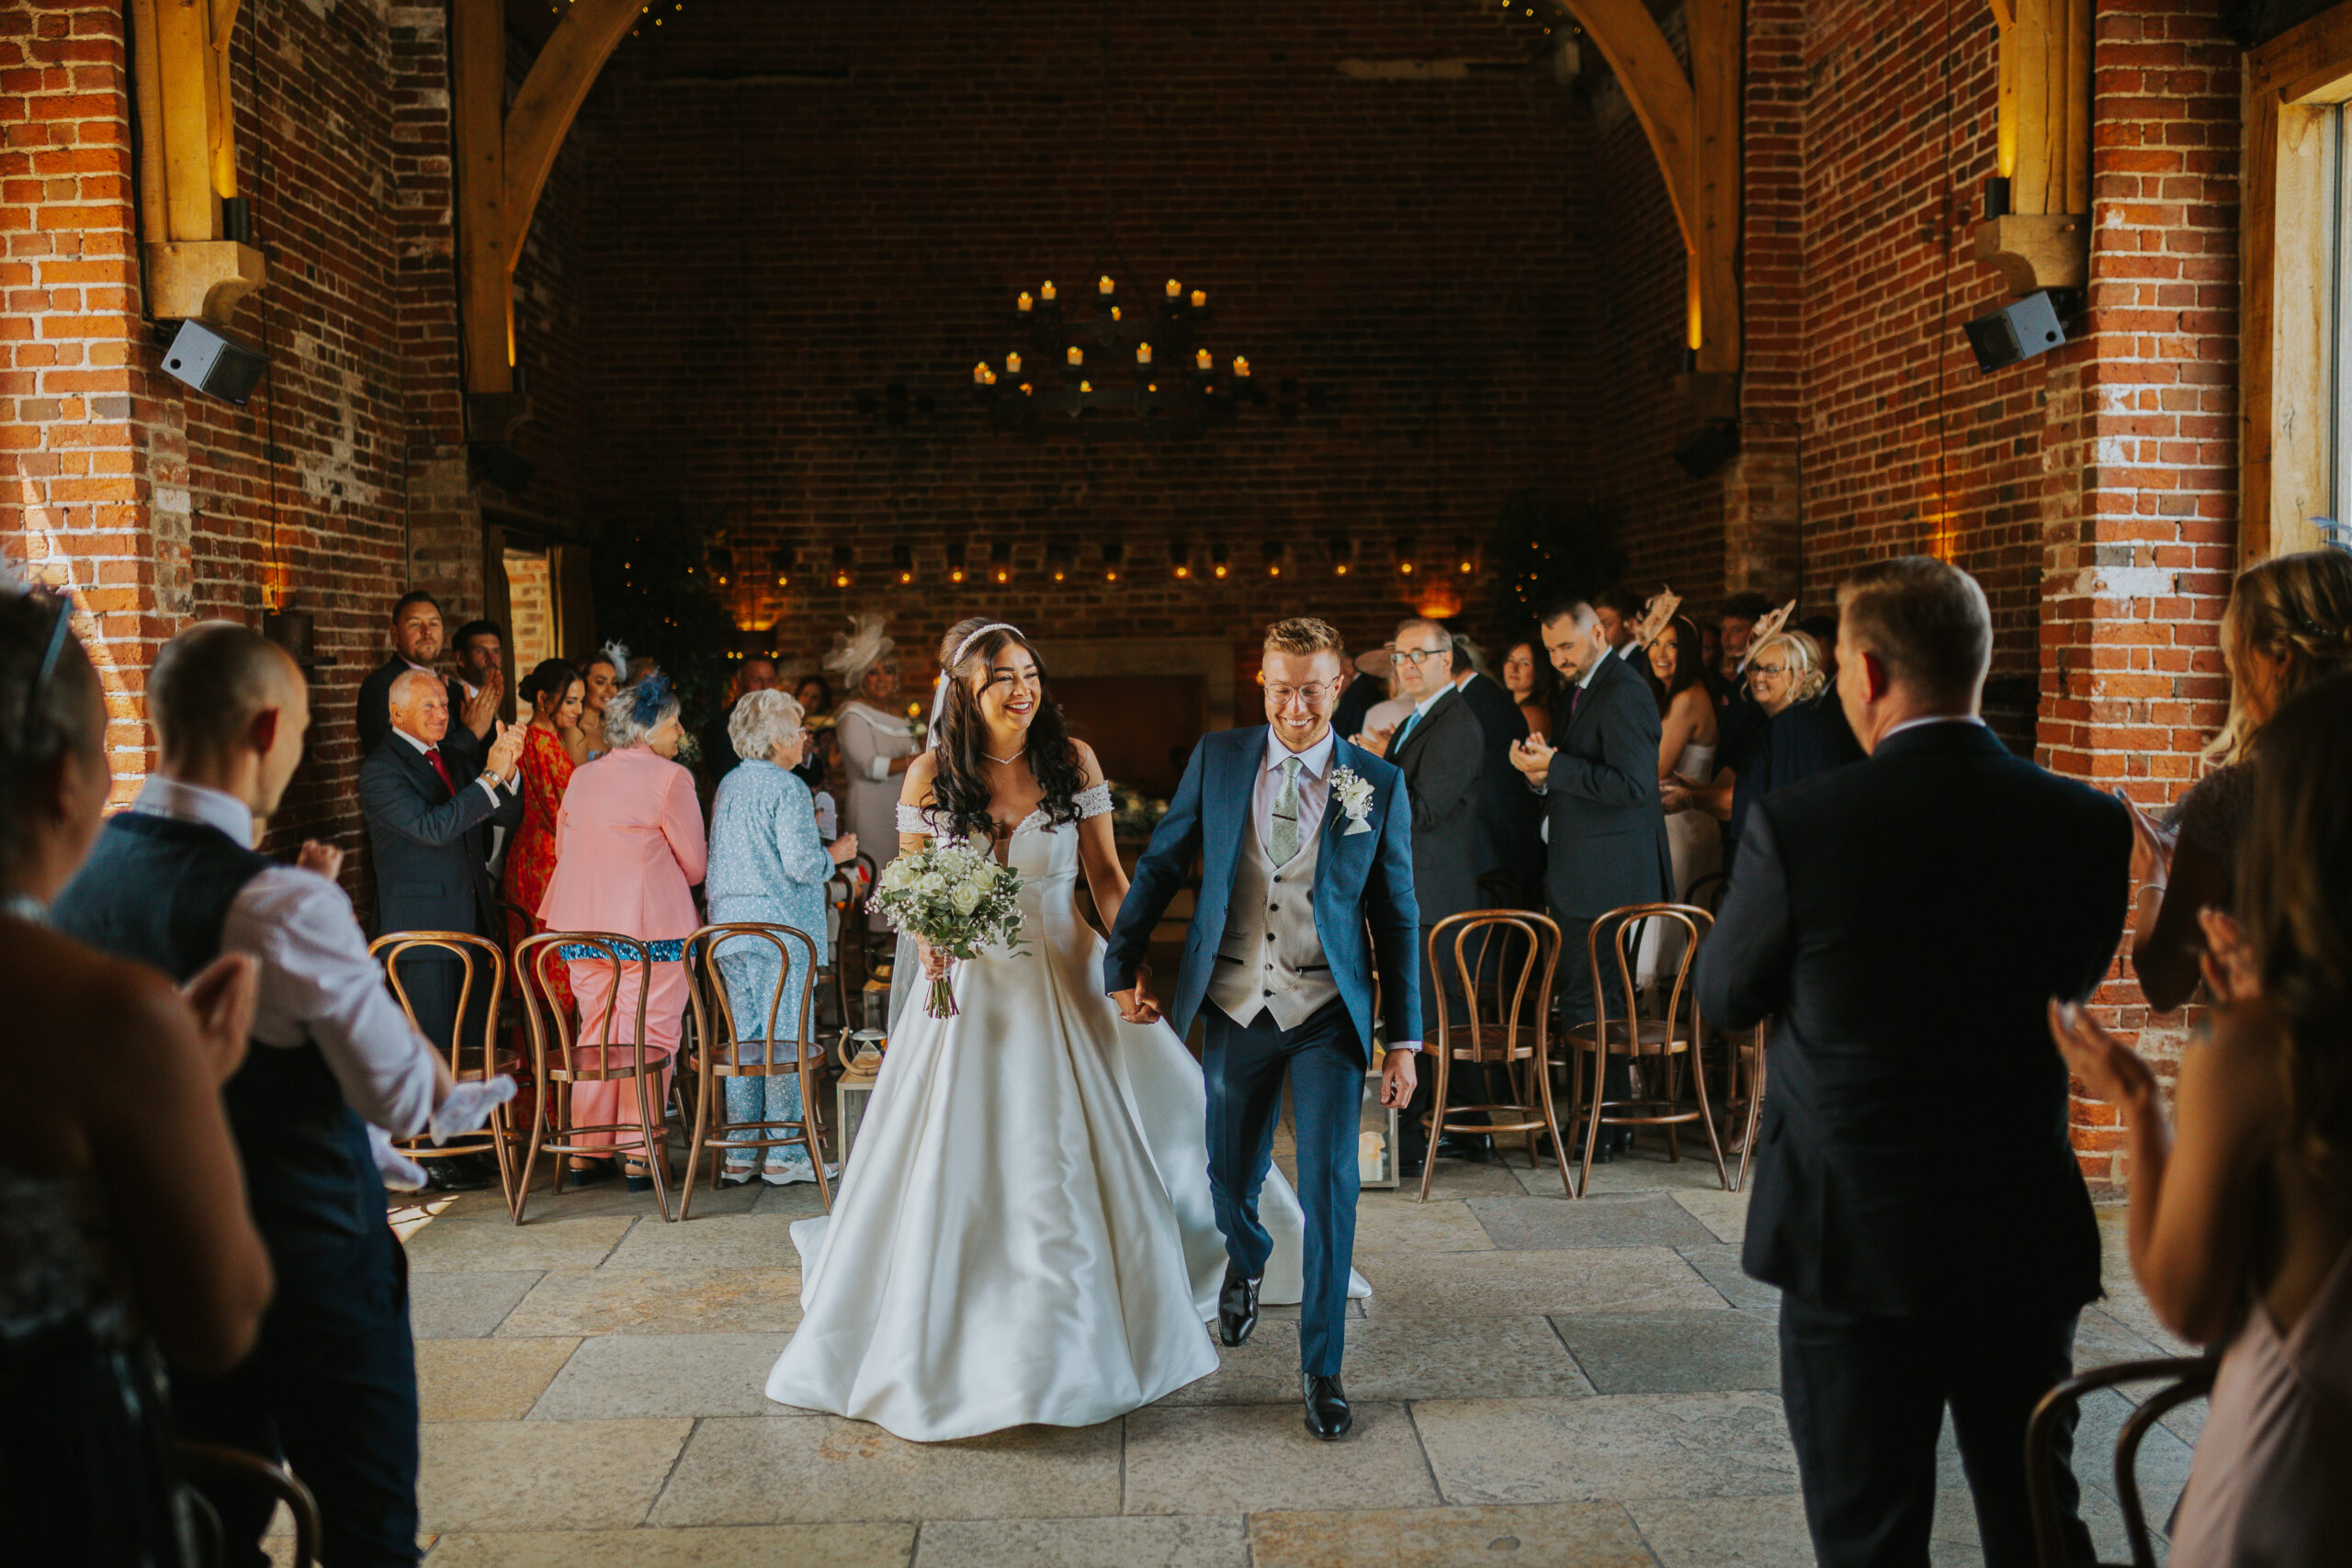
943 998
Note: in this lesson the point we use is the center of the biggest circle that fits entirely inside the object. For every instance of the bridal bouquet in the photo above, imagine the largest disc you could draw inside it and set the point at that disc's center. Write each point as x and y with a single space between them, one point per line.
957 897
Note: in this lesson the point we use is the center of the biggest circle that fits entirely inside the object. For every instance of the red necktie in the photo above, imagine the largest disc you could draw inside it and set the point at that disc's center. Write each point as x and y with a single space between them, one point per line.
433 755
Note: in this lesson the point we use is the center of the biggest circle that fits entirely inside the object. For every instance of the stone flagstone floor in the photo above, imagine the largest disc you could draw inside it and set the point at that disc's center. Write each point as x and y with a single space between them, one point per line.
1535 1382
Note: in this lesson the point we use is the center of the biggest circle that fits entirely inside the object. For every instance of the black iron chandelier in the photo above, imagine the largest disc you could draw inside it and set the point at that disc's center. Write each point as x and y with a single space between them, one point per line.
1115 366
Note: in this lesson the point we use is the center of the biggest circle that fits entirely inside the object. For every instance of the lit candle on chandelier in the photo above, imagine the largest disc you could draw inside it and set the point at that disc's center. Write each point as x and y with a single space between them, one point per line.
1077 354
1046 293
1200 298
1175 289
1240 366
1143 354
1086 386
1103 285
1024 302
1203 359
980 373
1012 364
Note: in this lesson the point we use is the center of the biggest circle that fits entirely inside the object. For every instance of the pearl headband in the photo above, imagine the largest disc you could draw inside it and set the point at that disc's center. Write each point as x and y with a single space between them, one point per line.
965 646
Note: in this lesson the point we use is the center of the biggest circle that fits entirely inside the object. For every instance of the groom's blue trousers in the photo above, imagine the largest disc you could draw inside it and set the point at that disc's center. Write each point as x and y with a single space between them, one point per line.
1245 1064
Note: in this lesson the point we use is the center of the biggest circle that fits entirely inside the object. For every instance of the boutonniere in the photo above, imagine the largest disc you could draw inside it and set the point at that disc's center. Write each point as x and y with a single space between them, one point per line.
1353 792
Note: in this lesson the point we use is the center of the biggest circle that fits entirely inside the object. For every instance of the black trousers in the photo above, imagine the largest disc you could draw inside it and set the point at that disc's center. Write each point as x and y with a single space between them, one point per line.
1865 1397
1576 995
331 1389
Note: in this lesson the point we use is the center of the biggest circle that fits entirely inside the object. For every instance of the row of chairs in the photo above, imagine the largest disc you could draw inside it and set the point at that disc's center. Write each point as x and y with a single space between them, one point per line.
566 1049
1507 960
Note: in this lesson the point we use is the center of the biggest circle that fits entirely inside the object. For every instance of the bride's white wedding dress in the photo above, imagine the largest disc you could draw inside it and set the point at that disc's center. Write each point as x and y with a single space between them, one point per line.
1025 1232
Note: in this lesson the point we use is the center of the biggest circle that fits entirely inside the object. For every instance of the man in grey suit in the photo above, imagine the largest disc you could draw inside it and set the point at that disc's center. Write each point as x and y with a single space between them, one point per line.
429 815
1600 801
1440 749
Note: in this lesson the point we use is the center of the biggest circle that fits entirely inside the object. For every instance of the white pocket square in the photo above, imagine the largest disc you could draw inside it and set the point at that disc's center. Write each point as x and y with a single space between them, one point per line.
1355 827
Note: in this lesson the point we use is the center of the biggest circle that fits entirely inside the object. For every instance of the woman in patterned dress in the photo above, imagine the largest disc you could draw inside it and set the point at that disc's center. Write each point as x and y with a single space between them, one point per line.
554 744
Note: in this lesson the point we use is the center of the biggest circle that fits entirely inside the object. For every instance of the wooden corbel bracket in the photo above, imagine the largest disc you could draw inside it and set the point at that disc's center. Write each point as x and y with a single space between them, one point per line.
2042 146
188 148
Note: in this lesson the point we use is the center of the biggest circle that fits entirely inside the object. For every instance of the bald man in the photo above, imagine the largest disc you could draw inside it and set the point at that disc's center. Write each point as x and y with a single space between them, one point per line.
330 1385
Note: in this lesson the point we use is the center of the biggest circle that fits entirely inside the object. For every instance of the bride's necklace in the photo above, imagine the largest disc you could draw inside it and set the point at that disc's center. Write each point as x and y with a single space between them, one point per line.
994 758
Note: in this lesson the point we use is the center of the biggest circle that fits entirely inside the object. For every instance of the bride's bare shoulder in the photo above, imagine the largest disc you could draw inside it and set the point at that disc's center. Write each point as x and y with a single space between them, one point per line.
1084 755
921 773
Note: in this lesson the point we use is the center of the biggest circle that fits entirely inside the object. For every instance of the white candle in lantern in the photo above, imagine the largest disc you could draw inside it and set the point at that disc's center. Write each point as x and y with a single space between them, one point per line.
1103 285
1077 354
1240 366
979 373
1143 354
1200 298
1175 289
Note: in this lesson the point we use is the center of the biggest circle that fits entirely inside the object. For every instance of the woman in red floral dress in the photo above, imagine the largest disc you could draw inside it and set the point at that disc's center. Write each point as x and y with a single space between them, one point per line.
553 746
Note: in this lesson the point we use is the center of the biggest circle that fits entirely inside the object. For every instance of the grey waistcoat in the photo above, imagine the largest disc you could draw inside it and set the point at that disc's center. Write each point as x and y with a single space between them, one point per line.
1270 958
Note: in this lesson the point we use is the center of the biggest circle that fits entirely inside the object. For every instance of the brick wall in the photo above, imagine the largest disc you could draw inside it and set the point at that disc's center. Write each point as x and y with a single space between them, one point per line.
786 221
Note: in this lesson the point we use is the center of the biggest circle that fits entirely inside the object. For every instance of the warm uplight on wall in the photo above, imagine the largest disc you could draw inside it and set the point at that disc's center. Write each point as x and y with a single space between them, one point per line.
1465 556
902 558
1180 559
1274 557
1342 552
842 556
955 563
1000 562
1114 557
1218 565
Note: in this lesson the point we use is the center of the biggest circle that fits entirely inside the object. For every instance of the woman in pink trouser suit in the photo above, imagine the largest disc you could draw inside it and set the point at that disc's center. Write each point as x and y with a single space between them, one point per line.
629 849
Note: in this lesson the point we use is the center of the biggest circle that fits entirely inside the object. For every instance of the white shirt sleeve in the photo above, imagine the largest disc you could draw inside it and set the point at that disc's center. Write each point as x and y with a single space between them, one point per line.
318 984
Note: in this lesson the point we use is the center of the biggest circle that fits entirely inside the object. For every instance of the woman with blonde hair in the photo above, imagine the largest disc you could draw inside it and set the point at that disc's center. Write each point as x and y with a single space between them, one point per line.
2288 628
1803 733
2241 1221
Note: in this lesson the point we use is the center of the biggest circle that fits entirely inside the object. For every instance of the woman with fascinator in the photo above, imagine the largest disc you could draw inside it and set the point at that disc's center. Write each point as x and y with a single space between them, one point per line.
876 741
628 851
1024 1232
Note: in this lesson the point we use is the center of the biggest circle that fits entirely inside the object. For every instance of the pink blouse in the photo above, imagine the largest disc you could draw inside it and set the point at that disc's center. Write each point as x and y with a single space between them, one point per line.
628 848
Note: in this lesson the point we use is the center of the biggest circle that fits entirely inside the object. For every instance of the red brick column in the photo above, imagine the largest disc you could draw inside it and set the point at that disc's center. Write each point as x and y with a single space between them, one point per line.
1762 498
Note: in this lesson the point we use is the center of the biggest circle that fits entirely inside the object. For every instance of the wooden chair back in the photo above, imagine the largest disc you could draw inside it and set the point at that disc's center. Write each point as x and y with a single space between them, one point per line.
1507 1026
483 968
719 1040
2188 1377
568 1048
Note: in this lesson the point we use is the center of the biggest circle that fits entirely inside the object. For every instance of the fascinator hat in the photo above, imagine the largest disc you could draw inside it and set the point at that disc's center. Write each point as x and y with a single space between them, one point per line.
859 649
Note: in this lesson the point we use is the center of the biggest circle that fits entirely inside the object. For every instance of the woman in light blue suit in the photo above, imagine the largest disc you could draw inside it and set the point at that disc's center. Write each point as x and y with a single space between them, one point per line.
767 865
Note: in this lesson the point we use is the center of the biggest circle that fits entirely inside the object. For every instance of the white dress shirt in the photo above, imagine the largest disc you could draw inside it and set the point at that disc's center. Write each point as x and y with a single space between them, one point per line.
318 983
1314 797
1932 718
482 779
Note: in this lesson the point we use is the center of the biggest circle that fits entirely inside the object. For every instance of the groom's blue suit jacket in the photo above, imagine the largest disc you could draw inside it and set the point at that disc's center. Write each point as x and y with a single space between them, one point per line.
1365 910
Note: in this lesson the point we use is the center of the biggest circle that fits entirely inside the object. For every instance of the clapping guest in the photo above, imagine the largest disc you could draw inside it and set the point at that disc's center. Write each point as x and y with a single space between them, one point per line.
1801 732
628 851
480 647
2287 629
2241 1225
123 1219
416 643
1527 675
552 747
767 865
174 880
1903 923
600 675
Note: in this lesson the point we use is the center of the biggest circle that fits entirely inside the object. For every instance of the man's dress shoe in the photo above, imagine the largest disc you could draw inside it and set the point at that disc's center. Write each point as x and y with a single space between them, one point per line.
459 1173
1328 1416
1476 1147
1236 1307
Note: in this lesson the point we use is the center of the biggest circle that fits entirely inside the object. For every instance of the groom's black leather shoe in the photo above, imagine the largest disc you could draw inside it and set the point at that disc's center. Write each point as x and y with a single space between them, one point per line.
1236 1307
1328 1416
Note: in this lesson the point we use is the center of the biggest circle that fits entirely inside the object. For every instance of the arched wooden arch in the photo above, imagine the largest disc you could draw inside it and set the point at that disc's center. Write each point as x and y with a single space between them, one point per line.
504 154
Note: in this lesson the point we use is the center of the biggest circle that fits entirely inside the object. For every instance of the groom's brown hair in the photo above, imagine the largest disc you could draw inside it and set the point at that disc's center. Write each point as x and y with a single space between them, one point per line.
1306 634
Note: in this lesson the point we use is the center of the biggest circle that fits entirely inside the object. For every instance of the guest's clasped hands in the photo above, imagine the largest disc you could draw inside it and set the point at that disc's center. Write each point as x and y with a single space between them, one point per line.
1534 757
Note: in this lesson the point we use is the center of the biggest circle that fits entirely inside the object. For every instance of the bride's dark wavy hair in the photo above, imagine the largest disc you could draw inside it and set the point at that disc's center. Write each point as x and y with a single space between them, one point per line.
960 788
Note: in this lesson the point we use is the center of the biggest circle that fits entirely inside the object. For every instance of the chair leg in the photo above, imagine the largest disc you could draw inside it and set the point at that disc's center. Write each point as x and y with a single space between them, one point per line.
809 1126
1670 1070
1755 1111
501 1141
1592 1126
531 1163
1543 1076
695 1140
657 1159
1707 1114
1437 1122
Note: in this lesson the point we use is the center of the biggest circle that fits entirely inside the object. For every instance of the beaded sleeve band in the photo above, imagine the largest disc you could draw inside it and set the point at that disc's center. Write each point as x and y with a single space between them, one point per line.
1094 802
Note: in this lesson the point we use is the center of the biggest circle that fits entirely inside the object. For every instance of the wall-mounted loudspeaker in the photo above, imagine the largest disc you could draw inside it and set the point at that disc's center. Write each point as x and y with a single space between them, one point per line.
211 361
502 467
1709 448
2022 328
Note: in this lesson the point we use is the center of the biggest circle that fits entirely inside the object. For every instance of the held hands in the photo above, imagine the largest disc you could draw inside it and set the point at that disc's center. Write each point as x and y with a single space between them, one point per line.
2110 1069
481 709
223 997
1136 1004
505 752
843 849
1673 794
324 858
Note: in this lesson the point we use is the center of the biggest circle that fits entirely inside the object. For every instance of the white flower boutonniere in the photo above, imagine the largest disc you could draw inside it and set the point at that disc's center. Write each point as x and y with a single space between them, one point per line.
1353 792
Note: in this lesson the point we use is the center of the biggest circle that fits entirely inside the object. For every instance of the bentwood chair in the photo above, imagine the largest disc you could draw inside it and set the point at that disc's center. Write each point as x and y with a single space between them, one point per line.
1743 1099
718 1040
210 1462
1507 1026
1657 1041
566 1051
482 966
2191 1377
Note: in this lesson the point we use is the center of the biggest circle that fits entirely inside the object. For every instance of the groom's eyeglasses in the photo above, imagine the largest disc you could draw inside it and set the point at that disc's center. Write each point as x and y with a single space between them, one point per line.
1314 696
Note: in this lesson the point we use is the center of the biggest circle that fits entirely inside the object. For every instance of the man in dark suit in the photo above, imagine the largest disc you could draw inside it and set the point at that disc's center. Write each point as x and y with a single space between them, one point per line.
416 643
1507 813
1440 750
429 812
1906 922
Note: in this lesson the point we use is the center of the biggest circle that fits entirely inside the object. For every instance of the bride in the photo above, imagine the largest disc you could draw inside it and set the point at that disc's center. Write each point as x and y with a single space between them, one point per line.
1025 1232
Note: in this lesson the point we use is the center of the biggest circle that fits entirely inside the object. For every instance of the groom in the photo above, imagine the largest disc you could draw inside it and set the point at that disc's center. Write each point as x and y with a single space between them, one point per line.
1309 869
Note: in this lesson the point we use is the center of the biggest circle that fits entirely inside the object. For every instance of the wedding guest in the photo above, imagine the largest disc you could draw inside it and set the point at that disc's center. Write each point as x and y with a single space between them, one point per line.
428 819
480 647
1823 629
815 696
2287 628
875 739
1508 818
600 676
1367 685
330 1385
1741 612
1686 756
416 643
767 865
1620 610
1527 676
628 851
552 747
1903 923
2241 1223
756 673
124 1228
1803 732
1440 749
1608 842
